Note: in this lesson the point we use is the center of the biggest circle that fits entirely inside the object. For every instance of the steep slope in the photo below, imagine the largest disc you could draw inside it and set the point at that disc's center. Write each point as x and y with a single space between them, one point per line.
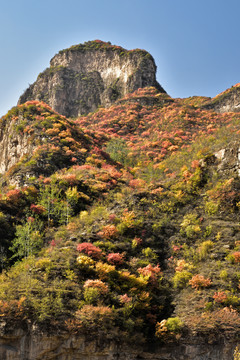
125 246
91 74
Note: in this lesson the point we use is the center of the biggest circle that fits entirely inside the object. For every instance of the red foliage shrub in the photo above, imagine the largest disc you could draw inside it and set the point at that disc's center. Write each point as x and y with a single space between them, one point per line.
13 195
237 256
220 297
198 282
47 181
70 179
125 299
150 272
90 250
108 232
12 308
176 248
53 243
115 258
97 284
112 217
37 209
137 183
195 164
224 319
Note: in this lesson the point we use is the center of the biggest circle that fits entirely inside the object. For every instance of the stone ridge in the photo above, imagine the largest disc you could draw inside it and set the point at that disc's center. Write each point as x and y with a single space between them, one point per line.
92 74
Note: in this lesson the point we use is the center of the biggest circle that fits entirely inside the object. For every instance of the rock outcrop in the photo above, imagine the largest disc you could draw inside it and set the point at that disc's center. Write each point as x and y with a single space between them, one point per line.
14 146
35 140
88 75
225 161
227 101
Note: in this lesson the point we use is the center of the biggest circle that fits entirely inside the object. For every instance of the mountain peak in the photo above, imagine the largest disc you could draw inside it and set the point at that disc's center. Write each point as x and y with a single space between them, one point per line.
85 76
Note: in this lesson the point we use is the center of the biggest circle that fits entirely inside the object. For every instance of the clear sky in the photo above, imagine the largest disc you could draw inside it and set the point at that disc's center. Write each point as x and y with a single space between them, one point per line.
195 43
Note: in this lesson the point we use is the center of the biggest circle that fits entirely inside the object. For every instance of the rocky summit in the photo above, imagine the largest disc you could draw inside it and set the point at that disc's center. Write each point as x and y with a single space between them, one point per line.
92 74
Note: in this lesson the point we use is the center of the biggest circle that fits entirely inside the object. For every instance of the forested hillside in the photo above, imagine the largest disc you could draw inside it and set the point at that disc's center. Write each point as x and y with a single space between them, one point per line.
123 222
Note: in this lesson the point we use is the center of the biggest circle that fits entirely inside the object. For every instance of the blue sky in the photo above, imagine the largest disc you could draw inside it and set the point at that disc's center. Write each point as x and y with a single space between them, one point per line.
195 43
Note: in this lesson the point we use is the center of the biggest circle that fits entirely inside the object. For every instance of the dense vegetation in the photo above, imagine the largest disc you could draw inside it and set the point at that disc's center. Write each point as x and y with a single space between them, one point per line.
126 225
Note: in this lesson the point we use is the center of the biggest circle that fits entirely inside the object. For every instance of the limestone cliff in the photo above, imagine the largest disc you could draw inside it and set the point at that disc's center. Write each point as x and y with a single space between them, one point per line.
95 73
20 344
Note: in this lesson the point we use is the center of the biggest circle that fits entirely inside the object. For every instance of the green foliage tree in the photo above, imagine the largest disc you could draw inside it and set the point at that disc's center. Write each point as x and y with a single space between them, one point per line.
60 205
72 197
29 238
53 201
118 150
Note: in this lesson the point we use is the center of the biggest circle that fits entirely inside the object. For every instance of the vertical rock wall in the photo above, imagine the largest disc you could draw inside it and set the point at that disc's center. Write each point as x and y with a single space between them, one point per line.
20 345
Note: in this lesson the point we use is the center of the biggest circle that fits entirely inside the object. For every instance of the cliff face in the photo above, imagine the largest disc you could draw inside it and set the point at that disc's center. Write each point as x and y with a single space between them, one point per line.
19 345
96 73
14 146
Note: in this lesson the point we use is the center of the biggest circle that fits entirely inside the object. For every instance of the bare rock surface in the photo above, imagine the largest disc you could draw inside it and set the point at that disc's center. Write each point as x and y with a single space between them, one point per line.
13 144
92 74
